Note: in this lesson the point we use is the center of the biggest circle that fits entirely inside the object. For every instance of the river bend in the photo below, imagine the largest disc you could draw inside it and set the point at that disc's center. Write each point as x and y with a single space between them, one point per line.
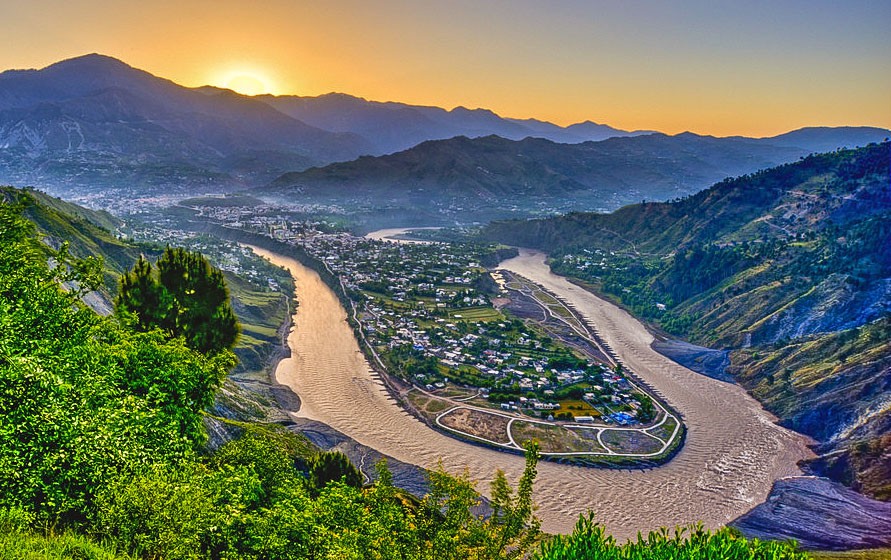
732 455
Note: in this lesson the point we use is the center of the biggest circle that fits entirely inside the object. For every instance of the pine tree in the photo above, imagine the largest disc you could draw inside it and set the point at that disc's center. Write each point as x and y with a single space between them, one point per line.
183 295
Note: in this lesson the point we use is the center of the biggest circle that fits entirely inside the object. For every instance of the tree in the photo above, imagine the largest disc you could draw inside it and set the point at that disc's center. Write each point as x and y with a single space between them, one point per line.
182 295
647 411
84 401
513 526
332 466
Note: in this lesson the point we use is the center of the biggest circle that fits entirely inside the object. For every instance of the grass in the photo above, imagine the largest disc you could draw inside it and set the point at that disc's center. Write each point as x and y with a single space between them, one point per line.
555 439
630 441
24 546
265 331
664 431
546 298
428 406
481 314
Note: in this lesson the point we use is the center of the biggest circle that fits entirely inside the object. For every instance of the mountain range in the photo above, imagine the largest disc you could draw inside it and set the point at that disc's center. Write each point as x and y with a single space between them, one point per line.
394 127
93 122
480 179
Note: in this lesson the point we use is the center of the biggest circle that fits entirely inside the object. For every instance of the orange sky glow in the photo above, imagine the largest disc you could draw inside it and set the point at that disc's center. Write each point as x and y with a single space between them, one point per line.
712 67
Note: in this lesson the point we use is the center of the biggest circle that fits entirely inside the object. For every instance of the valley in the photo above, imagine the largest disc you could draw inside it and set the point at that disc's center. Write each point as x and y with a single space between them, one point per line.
732 453
343 315
455 409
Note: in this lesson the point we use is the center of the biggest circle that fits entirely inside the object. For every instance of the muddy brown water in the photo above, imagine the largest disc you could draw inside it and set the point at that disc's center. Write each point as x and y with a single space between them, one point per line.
733 453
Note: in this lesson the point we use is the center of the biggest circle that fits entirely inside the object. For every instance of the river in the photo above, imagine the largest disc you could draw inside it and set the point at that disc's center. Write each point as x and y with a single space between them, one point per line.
392 234
733 453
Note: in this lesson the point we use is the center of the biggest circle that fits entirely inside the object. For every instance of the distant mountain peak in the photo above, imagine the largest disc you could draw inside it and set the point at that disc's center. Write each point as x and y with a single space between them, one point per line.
341 95
94 64
477 111
91 58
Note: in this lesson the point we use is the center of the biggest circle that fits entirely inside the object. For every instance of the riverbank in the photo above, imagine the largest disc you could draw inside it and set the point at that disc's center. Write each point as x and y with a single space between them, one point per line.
339 389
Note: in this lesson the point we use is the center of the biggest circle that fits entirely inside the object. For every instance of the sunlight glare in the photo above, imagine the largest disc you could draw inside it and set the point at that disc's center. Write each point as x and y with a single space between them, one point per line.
247 83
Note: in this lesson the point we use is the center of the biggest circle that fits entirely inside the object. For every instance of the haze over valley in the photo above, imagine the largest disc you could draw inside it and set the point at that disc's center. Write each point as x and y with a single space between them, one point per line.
95 128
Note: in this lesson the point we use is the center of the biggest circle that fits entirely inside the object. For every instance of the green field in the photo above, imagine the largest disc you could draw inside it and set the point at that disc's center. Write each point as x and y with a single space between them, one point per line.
578 408
476 314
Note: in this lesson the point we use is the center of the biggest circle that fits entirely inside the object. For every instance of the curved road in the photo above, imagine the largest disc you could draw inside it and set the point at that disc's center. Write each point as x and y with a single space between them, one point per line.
733 453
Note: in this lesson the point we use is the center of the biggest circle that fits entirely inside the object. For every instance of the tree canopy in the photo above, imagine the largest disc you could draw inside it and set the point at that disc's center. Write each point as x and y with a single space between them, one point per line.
182 295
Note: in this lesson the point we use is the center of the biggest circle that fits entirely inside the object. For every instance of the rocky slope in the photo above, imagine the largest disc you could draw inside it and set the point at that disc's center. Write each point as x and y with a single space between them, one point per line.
819 514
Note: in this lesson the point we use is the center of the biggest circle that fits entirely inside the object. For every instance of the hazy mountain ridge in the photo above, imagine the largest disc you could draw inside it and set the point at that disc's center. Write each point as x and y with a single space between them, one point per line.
789 268
394 127
826 139
485 176
95 111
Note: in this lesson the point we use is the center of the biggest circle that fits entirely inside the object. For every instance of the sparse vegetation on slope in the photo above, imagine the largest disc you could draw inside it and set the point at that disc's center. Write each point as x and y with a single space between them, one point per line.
789 268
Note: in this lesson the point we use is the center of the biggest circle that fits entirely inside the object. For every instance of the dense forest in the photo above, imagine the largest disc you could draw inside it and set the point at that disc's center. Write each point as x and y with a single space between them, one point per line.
103 453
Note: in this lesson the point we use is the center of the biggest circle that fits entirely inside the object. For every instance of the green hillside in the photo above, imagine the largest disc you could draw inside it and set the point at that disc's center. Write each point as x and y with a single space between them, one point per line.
260 307
87 232
788 268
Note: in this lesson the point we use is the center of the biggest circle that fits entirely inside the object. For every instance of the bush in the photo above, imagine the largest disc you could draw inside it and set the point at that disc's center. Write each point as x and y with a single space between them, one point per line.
333 466
589 541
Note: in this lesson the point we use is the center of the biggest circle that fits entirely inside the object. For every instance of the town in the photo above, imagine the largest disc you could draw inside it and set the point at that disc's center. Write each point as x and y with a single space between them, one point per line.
426 311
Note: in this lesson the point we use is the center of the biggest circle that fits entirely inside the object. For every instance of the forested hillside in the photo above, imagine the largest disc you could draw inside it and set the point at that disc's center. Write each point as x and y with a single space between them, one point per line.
789 268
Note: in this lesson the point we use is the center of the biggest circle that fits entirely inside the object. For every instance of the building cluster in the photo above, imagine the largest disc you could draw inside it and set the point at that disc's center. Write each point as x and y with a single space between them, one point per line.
426 310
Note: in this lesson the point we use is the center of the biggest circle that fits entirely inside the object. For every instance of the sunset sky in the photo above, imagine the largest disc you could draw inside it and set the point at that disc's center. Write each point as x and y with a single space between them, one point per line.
718 67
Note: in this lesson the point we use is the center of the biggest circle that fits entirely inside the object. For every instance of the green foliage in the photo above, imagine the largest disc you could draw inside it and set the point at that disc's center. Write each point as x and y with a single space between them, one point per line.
67 546
589 541
333 466
647 411
15 520
87 233
233 506
182 295
83 401
513 527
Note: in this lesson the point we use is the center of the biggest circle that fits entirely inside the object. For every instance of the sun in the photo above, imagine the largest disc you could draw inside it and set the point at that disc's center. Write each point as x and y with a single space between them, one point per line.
246 83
